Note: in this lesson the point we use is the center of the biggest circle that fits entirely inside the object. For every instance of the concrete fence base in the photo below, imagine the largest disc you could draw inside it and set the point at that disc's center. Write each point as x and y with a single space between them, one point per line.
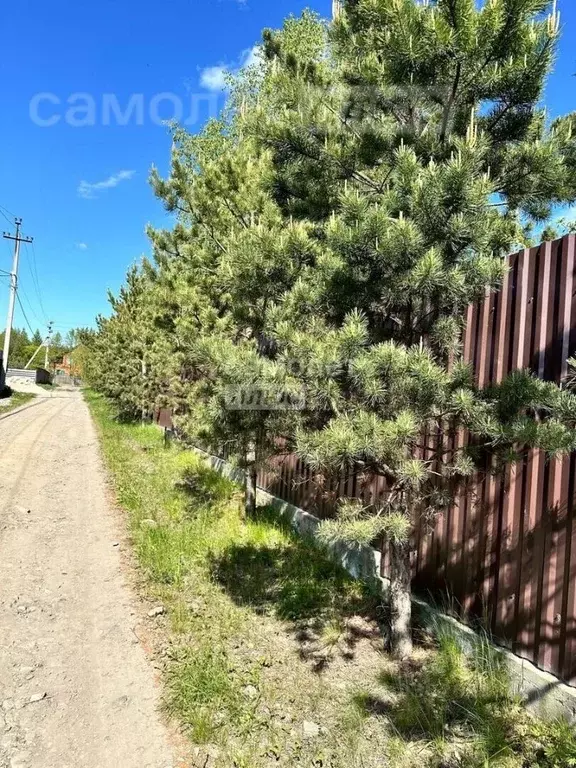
542 692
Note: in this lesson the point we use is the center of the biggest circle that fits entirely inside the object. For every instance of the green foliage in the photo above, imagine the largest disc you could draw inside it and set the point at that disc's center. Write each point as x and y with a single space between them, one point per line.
355 523
361 189
21 348
552 744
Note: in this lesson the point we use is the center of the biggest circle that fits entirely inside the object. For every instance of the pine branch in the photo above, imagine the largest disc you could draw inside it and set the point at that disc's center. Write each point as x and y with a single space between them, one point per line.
509 105
237 214
343 120
450 103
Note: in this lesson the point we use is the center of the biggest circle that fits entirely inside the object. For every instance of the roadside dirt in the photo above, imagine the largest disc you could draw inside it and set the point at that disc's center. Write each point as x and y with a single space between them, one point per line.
25 385
76 688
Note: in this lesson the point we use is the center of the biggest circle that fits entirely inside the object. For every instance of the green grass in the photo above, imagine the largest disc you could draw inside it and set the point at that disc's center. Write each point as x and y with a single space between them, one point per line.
274 655
259 623
17 400
451 709
288 579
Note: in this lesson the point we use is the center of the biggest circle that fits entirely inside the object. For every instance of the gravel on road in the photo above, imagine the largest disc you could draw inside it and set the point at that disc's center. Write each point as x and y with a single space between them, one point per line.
76 688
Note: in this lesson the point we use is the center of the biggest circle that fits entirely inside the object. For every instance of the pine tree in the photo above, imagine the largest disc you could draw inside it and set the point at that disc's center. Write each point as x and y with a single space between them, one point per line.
412 141
229 258
118 364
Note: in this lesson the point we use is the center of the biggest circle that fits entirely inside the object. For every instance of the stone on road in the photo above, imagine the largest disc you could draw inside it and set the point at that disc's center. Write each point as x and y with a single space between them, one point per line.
76 689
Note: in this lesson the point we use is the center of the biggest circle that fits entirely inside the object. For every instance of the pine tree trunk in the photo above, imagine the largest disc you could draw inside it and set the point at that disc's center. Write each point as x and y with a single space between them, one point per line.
251 478
144 369
400 600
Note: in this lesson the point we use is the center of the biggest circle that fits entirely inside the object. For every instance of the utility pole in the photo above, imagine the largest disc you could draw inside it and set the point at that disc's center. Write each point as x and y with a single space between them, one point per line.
48 340
12 300
44 343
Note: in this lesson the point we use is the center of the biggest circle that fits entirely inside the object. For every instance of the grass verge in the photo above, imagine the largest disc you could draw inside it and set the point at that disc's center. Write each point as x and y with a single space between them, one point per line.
273 656
268 642
15 400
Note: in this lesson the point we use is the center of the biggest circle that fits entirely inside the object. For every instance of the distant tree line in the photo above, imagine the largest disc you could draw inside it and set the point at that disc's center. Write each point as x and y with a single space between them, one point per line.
23 345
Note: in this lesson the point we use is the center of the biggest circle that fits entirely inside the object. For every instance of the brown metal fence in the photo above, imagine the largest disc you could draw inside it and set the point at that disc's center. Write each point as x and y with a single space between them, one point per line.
505 554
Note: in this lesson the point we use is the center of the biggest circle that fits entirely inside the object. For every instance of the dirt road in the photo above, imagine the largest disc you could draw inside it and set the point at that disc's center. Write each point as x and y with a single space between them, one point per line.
76 690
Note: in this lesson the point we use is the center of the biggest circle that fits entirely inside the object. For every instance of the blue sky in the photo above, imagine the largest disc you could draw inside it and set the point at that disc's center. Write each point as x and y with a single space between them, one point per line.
82 190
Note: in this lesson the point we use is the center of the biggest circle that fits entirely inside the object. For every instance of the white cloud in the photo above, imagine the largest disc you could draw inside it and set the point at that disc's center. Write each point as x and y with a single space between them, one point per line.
88 190
82 246
251 56
214 78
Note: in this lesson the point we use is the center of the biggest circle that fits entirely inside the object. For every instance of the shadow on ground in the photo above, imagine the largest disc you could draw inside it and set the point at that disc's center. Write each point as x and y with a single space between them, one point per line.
328 612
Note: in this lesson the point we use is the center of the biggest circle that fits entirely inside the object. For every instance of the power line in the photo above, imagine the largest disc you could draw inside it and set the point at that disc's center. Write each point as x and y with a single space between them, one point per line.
35 282
25 295
35 264
7 211
2 209
24 313
30 270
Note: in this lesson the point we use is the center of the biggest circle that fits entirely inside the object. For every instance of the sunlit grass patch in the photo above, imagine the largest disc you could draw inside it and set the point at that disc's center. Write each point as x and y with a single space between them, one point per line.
206 692
249 608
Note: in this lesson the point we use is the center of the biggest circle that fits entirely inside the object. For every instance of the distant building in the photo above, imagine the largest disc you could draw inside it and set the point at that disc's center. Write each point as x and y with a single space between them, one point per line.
72 363
65 365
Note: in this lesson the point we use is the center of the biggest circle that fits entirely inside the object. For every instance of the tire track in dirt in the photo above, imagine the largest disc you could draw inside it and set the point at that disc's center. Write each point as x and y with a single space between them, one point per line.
76 690
31 454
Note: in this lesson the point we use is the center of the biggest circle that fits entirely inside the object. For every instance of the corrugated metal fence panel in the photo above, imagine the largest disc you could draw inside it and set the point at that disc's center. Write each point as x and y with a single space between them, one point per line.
21 373
506 552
